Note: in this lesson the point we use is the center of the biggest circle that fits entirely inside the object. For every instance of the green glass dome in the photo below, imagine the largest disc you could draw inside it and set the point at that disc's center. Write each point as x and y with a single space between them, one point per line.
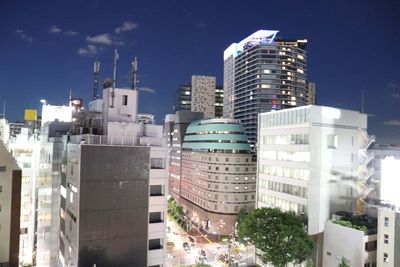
216 135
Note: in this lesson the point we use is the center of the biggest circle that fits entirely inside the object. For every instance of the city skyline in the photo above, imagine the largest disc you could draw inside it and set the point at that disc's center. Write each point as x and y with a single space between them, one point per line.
55 54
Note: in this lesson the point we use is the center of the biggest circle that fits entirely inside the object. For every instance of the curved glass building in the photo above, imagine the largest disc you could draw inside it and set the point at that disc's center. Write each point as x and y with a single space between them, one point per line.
218 174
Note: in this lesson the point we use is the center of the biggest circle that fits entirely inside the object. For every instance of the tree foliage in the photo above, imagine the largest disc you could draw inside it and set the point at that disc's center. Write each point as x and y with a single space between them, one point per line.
344 262
280 235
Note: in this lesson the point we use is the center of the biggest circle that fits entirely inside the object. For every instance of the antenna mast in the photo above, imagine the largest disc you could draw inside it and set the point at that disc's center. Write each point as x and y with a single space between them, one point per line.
96 70
134 74
116 57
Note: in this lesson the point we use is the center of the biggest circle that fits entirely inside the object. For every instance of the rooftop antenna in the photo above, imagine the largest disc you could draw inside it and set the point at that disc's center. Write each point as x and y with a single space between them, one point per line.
134 74
96 70
116 57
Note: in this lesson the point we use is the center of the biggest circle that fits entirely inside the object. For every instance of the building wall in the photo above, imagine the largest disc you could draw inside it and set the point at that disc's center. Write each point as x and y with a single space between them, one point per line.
10 201
388 238
341 241
216 186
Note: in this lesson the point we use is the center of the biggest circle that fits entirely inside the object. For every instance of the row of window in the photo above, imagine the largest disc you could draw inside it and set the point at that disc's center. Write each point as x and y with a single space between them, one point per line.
288 189
296 173
282 204
287 117
288 139
297 156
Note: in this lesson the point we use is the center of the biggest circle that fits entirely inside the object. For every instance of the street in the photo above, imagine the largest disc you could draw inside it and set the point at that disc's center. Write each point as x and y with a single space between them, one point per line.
216 254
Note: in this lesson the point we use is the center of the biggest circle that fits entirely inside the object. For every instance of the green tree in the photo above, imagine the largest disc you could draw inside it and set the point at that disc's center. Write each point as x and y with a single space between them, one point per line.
280 235
344 263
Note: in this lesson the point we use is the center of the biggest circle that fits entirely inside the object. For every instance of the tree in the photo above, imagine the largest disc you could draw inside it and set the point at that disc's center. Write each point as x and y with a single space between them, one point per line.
280 235
344 262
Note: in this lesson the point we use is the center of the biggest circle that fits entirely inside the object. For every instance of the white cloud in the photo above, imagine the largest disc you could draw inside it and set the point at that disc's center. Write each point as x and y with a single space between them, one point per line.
392 85
147 90
396 95
126 26
71 33
392 122
88 51
23 36
54 29
104 38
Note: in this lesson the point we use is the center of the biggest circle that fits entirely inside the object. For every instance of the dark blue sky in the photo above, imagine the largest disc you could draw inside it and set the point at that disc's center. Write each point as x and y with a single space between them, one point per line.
353 46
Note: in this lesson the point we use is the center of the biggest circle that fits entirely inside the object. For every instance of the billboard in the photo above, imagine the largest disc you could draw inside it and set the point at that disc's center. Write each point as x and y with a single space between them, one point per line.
30 115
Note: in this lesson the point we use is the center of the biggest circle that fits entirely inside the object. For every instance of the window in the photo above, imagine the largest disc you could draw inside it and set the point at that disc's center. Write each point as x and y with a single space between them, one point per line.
386 239
332 141
227 159
385 257
216 168
1 188
236 208
3 168
155 217
226 168
156 190
155 244
124 100
328 253
157 163
386 221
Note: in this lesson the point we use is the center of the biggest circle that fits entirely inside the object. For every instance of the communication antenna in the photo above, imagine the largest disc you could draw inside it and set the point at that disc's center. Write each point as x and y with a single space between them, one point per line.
96 70
134 74
116 57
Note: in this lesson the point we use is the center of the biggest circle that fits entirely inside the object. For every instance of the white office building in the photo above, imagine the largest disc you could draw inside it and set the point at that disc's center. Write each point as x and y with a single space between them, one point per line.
308 162
388 254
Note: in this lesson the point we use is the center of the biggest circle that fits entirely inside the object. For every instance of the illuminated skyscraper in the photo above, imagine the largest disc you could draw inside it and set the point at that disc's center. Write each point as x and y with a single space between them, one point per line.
263 73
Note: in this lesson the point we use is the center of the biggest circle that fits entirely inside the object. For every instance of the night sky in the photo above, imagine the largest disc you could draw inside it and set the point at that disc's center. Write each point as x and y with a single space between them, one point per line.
48 48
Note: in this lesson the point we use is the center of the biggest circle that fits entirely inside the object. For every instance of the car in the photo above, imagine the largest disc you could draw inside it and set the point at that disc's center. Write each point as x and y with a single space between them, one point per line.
168 229
203 253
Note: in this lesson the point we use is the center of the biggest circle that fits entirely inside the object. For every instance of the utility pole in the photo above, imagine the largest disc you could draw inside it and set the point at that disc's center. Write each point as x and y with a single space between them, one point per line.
134 74
362 100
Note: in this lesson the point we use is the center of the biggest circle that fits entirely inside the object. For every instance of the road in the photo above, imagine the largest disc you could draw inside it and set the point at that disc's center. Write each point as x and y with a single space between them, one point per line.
178 256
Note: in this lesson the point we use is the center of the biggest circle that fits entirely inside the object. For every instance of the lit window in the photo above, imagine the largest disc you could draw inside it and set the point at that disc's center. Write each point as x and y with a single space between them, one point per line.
386 239
386 221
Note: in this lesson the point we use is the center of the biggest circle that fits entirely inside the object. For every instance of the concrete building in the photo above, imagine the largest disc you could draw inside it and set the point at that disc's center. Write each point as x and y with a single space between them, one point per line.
177 132
311 93
202 95
263 73
10 202
113 190
143 118
218 174
25 149
388 237
308 162
350 241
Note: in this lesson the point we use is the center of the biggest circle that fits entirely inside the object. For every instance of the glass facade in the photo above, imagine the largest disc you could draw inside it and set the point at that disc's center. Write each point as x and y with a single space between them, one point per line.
264 77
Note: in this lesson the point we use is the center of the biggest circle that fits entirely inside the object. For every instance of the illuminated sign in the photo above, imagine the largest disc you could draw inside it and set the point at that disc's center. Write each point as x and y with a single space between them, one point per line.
30 114
60 113
390 180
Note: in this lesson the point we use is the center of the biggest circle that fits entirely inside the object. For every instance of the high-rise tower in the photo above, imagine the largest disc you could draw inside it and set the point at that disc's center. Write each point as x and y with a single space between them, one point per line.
263 73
